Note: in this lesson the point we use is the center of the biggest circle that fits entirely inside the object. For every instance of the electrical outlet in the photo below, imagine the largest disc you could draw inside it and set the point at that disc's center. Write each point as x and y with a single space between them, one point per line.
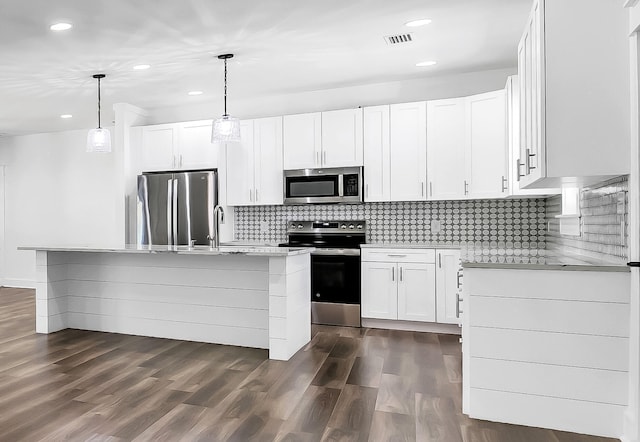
435 226
264 226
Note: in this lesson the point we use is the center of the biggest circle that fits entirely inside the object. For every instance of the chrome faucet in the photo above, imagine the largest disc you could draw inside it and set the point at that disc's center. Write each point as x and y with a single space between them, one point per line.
218 217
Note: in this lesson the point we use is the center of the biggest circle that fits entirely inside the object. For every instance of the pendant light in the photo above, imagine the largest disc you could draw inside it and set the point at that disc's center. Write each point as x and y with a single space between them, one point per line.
99 140
227 128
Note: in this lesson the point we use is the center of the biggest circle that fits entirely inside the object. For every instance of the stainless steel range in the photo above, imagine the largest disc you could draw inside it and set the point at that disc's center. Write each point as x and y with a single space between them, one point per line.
335 268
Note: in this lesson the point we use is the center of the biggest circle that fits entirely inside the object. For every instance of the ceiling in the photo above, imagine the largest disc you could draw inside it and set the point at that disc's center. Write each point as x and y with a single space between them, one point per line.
280 46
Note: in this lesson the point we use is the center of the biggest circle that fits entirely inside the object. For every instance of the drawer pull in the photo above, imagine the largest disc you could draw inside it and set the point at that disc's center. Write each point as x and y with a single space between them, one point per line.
458 311
396 256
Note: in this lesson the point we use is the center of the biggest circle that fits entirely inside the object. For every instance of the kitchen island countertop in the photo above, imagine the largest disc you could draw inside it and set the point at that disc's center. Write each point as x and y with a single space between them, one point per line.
224 249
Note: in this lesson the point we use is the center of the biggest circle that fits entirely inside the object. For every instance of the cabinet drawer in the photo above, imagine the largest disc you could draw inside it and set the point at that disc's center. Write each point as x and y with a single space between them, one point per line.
427 256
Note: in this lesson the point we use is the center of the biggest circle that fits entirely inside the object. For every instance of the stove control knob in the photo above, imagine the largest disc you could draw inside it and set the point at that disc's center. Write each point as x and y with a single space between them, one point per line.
300 226
351 226
359 226
293 226
343 226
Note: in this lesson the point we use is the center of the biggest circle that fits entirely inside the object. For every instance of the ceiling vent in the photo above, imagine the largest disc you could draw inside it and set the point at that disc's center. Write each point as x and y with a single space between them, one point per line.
398 38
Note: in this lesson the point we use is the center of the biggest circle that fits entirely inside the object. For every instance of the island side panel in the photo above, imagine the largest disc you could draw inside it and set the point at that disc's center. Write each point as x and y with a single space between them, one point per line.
534 339
51 291
216 299
289 305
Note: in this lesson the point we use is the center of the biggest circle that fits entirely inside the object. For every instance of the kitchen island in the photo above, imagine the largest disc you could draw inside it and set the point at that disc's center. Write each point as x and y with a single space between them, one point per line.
251 296
545 339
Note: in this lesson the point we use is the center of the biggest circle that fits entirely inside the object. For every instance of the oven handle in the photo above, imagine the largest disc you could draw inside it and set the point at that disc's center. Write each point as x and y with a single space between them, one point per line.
336 252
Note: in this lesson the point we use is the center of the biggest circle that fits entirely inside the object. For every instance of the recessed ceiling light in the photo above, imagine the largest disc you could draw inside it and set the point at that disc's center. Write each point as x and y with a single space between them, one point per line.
416 23
141 67
195 93
65 116
61 26
425 63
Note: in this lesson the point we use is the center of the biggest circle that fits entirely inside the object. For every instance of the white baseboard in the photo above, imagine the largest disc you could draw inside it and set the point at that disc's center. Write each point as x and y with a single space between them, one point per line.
630 427
430 327
18 283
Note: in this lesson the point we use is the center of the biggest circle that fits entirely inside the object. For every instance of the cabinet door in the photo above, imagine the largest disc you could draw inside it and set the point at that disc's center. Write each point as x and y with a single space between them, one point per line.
196 151
268 171
408 130
302 140
486 146
240 166
342 138
379 290
377 154
417 292
159 143
447 285
446 148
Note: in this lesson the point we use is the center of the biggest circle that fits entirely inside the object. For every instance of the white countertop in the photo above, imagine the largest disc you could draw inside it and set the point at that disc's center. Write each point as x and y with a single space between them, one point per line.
234 249
432 245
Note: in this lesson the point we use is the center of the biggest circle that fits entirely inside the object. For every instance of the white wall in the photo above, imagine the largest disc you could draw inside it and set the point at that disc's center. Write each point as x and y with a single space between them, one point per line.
430 88
55 194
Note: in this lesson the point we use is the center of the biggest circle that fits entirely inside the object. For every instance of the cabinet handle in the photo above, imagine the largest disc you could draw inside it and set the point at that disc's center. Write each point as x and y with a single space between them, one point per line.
466 187
422 186
173 161
458 310
430 188
180 163
528 161
324 158
366 190
400 274
393 273
440 260
518 167
458 277
256 192
504 184
317 158
395 256
250 195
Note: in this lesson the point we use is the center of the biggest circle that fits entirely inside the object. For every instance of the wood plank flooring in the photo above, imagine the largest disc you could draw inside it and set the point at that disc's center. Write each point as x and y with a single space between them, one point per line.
348 384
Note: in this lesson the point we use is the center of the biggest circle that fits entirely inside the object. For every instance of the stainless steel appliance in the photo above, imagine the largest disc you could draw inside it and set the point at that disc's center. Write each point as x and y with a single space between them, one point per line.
335 268
177 208
332 185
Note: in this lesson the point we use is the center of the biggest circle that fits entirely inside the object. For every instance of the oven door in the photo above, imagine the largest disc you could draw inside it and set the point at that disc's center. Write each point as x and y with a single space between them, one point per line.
335 288
311 189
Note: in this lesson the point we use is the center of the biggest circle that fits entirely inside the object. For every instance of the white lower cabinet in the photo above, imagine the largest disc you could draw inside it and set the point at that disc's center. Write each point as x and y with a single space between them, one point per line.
402 284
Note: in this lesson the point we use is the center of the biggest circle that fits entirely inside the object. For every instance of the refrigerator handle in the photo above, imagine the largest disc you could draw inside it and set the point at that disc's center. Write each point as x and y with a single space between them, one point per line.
175 212
169 214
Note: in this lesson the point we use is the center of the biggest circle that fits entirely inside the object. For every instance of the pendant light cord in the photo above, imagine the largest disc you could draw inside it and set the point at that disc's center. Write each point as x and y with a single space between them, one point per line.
225 86
99 127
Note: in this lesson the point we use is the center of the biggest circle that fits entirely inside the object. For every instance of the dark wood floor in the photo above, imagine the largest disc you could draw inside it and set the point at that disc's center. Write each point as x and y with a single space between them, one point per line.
348 384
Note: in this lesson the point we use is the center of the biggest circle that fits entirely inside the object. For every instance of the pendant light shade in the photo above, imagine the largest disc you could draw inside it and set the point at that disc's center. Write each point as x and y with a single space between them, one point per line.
225 129
99 139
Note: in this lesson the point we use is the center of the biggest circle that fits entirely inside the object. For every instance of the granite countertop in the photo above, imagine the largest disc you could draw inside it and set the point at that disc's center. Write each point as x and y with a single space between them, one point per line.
516 256
224 249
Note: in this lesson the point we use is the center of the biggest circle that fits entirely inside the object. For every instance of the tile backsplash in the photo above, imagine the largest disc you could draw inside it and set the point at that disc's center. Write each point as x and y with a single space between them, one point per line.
510 223
604 219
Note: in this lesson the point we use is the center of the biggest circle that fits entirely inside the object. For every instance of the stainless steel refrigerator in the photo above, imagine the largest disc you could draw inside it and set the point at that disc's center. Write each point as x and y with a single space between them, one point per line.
176 208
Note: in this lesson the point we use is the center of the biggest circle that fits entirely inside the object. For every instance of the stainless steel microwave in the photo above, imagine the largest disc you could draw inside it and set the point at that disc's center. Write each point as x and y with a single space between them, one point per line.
317 186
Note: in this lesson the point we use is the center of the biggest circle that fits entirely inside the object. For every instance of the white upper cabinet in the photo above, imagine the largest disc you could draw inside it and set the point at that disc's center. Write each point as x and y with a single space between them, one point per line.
574 126
323 139
178 146
377 154
254 166
486 146
302 137
196 149
408 164
342 138
158 146
446 148
513 143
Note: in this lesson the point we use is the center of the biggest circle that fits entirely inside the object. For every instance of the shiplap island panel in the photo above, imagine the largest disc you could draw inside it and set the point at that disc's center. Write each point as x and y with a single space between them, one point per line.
245 296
